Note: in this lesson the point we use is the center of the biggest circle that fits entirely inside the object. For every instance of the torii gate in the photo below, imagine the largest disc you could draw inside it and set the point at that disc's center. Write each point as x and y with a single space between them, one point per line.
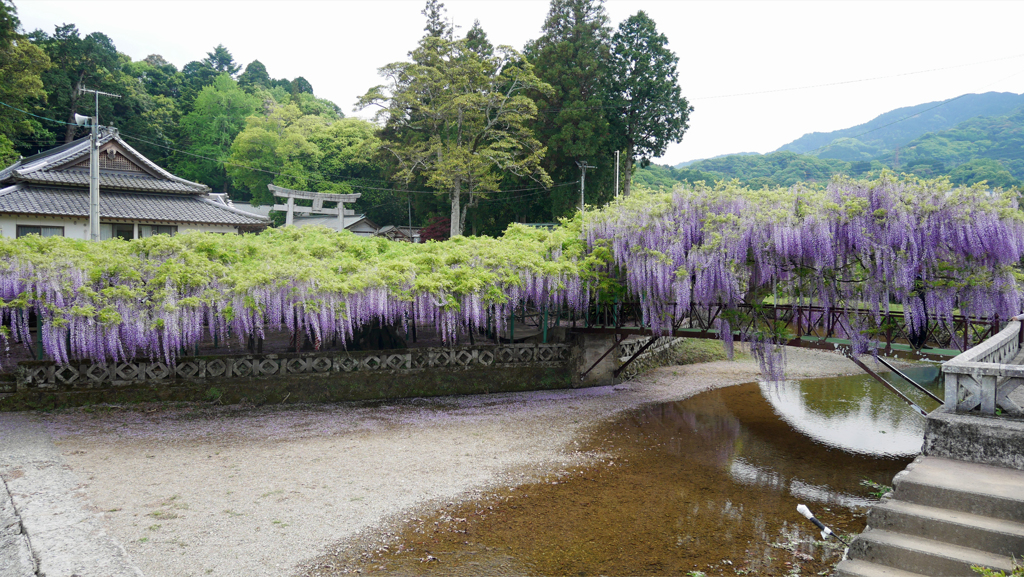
318 199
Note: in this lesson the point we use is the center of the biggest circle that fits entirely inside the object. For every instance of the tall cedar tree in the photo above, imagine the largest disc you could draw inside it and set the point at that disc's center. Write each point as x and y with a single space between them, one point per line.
89 62
438 25
572 55
460 120
650 112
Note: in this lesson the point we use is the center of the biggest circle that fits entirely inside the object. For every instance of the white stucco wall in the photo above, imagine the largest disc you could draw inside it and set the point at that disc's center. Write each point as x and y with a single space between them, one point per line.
79 227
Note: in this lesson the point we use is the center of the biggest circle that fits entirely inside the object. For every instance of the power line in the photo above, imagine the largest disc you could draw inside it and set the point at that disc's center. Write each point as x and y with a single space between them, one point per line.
943 103
793 88
319 179
843 82
35 115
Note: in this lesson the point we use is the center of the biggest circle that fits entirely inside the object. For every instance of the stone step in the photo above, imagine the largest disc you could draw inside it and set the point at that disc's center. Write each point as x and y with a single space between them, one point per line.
961 486
924 556
954 527
857 568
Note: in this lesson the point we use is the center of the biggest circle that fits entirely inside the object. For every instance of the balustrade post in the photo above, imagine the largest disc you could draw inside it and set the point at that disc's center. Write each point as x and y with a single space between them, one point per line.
39 336
544 338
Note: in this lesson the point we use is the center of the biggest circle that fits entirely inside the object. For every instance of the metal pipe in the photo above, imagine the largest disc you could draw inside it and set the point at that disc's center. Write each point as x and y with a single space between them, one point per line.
909 380
888 385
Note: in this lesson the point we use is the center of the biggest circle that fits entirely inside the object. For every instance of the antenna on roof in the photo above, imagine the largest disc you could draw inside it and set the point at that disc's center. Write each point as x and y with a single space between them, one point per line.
94 165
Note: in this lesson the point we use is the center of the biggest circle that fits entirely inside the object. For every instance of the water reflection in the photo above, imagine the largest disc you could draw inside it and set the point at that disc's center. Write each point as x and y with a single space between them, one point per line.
856 413
710 483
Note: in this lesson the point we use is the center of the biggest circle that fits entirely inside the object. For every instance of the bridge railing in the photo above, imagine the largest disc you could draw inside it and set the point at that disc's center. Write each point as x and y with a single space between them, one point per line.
981 379
806 321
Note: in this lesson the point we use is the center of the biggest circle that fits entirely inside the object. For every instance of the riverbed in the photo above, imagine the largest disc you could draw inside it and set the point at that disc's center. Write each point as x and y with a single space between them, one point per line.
321 489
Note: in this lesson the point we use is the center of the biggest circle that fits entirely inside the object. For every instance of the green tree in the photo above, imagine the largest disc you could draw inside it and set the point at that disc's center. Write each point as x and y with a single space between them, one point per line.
10 24
476 40
158 76
304 151
21 85
310 104
147 112
459 120
218 114
650 111
254 77
572 55
301 86
438 25
199 74
89 62
221 61
984 170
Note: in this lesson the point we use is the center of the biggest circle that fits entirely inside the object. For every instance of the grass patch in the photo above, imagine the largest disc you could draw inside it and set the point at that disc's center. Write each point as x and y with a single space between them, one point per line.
693 351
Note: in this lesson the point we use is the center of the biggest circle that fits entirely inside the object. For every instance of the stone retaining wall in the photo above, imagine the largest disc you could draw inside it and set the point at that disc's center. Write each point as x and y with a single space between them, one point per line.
333 375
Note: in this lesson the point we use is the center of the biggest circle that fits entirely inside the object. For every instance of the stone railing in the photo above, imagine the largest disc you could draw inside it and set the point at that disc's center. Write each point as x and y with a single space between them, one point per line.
979 379
629 348
654 356
43 375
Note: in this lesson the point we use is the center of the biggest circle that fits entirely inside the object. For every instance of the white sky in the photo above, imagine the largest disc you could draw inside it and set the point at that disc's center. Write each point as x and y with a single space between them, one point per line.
725 48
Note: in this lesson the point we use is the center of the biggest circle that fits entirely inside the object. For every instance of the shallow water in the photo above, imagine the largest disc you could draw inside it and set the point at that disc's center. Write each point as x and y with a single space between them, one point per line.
710 484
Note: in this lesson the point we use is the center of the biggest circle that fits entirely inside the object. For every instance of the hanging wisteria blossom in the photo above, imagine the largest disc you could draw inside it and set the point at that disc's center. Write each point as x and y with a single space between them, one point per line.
933 248
927 245
160 295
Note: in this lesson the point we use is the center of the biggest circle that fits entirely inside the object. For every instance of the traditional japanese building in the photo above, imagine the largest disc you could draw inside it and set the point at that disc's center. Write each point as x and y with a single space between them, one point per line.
48 194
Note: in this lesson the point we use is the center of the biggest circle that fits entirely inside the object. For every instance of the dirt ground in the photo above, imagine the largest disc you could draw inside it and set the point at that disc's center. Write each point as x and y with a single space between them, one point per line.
237 490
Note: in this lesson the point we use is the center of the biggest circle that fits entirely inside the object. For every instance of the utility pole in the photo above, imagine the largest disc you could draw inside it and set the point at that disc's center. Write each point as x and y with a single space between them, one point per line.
616 174
94 168
583 180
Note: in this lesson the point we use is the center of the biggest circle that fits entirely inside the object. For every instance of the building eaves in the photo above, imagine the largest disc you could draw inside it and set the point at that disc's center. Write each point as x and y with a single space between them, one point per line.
36 168
110 180
46 201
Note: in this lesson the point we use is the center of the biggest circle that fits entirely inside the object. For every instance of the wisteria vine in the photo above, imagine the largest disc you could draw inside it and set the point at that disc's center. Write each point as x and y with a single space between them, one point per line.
928 245
157 296
934 248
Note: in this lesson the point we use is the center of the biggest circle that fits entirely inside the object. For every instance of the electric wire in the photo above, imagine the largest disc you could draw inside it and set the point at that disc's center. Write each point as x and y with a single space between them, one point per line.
918 113
553 109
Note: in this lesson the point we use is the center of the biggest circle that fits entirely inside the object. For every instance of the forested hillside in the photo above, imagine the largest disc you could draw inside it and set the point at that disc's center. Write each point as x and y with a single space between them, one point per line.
498 140
981 148
898 127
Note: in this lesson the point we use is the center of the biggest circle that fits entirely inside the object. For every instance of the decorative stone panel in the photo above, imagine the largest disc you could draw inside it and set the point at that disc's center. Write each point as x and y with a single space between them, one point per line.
40 375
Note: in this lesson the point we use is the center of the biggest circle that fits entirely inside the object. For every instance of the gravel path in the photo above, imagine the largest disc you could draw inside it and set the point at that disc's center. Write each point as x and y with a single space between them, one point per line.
201 490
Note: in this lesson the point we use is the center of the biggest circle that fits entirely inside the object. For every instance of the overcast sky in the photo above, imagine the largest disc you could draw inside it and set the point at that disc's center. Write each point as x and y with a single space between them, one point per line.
752 70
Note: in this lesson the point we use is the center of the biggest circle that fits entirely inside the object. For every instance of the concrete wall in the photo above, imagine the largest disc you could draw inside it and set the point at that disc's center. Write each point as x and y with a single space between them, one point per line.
997 441
78 228
590 347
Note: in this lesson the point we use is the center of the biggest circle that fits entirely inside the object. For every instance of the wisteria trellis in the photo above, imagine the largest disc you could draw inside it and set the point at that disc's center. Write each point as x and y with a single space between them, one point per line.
930 246
156 296
927 245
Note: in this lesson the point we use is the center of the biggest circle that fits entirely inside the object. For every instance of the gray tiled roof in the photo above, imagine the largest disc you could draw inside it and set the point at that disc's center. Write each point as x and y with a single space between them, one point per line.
108 180
29 199
39 169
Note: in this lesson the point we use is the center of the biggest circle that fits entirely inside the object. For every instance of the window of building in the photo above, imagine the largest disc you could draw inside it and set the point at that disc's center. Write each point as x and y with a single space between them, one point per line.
151 229
22 230
121 230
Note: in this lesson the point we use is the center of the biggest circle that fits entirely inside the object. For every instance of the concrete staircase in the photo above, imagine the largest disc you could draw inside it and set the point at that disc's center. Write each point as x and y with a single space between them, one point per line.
943 516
